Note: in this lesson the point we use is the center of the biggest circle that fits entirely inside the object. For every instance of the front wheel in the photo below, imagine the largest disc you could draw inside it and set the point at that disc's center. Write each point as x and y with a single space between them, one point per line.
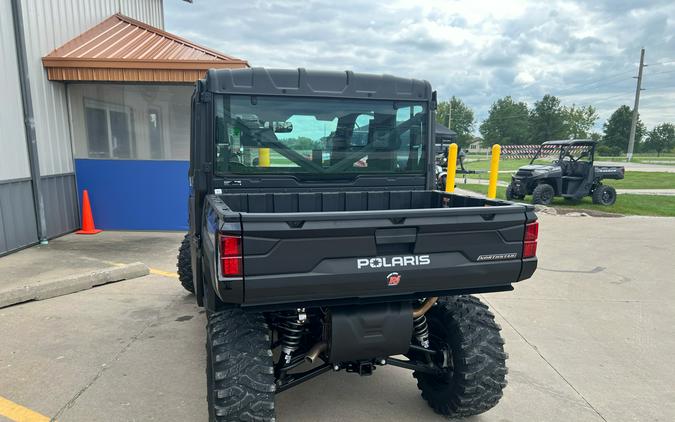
471 350
511 193
604 195
543 194
239 371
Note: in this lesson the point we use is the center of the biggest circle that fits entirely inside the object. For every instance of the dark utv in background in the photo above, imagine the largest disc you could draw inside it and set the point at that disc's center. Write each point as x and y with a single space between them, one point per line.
335 253
569 173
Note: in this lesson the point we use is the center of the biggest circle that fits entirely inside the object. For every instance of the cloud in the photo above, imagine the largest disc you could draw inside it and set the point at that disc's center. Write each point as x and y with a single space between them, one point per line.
479 50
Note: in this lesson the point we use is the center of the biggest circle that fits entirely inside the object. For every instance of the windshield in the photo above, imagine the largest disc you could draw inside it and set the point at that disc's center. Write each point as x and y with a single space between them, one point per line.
548 154
318 136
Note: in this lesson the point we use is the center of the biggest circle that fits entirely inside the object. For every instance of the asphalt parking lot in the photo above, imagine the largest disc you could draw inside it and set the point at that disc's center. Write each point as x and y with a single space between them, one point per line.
590 338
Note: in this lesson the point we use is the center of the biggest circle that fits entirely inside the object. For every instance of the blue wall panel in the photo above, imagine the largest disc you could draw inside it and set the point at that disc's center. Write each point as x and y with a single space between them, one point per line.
135 194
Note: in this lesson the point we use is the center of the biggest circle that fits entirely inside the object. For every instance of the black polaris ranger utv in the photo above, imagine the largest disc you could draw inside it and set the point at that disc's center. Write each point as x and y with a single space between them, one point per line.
317 244
564 168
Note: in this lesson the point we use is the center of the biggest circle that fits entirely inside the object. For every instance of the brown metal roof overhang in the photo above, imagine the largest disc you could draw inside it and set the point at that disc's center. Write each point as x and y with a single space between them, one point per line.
121 49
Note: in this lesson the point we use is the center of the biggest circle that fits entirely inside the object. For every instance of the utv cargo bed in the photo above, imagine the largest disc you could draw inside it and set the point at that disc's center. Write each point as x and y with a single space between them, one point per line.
333 246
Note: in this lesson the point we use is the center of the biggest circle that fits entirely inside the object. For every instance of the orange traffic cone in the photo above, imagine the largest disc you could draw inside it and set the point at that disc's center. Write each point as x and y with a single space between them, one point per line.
87 219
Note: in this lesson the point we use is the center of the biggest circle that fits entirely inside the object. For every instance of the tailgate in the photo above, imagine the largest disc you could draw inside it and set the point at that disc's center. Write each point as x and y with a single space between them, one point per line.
303 257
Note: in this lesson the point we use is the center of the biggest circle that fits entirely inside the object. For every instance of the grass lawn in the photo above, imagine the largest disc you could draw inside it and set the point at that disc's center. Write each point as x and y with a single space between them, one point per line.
504 177
482 189
644 180
507 164
627 204
484 166
632 180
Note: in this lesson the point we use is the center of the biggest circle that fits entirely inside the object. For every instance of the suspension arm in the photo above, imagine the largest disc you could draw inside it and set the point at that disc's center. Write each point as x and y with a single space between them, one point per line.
292 380
415 366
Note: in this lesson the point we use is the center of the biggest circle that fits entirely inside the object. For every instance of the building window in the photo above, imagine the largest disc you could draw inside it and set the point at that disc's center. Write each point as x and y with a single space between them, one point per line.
108 128
137 122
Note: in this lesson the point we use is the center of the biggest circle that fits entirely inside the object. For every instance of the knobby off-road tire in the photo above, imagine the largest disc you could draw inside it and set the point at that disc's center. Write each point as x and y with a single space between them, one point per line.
441 183
543 194
476 373
510 195
239 370
184 265
604 195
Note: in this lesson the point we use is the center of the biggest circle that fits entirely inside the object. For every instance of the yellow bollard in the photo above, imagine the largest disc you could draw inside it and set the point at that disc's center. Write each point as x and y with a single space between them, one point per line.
494 171
264 157
452 168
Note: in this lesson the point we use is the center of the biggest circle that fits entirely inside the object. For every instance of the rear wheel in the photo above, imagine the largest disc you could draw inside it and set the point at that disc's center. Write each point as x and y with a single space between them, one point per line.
543 194
239 371
184 265
465 333
604 195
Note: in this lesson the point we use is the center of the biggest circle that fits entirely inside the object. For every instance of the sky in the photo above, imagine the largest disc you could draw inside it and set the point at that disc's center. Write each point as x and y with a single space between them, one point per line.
585 52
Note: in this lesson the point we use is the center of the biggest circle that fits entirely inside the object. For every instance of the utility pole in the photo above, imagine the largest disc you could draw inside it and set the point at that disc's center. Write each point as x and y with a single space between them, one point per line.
631 138
449 112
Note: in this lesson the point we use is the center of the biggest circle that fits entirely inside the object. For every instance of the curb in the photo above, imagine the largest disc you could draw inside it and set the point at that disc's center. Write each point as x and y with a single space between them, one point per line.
53 288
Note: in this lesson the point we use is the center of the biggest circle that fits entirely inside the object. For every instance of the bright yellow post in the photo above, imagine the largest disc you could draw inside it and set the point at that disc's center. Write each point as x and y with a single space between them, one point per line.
452 168
264 157
494 171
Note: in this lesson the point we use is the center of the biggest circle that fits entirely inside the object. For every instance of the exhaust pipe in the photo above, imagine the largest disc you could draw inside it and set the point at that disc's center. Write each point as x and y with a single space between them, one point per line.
315 351
426 305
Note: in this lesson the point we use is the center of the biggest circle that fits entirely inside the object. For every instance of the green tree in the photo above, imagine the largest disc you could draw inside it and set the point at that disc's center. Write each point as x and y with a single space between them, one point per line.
462 119
595 136
579 121
301 143
507 123
617 129
547 120
661 138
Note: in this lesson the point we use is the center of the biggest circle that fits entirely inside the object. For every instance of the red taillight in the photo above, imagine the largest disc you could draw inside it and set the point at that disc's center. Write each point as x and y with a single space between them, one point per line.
530 249
230 255
530 239
531 231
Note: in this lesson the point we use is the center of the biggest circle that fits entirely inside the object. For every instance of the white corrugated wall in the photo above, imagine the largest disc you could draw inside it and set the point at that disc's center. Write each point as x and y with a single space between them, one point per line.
48 24
13 150
18 226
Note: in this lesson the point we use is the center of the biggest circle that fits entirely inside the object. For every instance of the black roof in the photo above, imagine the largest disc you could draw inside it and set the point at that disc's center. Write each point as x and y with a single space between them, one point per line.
314 83
571 142
443 132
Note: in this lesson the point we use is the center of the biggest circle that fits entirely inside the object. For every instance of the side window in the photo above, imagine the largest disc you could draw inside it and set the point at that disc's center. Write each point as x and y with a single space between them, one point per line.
411 152
220 131
360 132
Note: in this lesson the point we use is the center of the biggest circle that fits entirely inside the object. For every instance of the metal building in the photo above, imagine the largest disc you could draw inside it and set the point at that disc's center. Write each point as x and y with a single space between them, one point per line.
95 95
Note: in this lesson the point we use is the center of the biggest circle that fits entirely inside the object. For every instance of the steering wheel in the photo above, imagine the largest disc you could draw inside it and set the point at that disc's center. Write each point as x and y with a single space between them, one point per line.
571 157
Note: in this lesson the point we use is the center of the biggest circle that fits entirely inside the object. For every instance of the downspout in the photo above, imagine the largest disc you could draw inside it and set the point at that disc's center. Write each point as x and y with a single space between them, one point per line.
29 121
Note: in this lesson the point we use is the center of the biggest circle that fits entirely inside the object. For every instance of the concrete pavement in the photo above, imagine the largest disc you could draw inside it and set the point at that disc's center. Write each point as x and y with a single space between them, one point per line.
590 338
74 262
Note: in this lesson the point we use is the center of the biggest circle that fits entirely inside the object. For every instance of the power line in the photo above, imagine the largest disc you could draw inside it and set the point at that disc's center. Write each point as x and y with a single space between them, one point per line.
661 73
608 80
662 63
